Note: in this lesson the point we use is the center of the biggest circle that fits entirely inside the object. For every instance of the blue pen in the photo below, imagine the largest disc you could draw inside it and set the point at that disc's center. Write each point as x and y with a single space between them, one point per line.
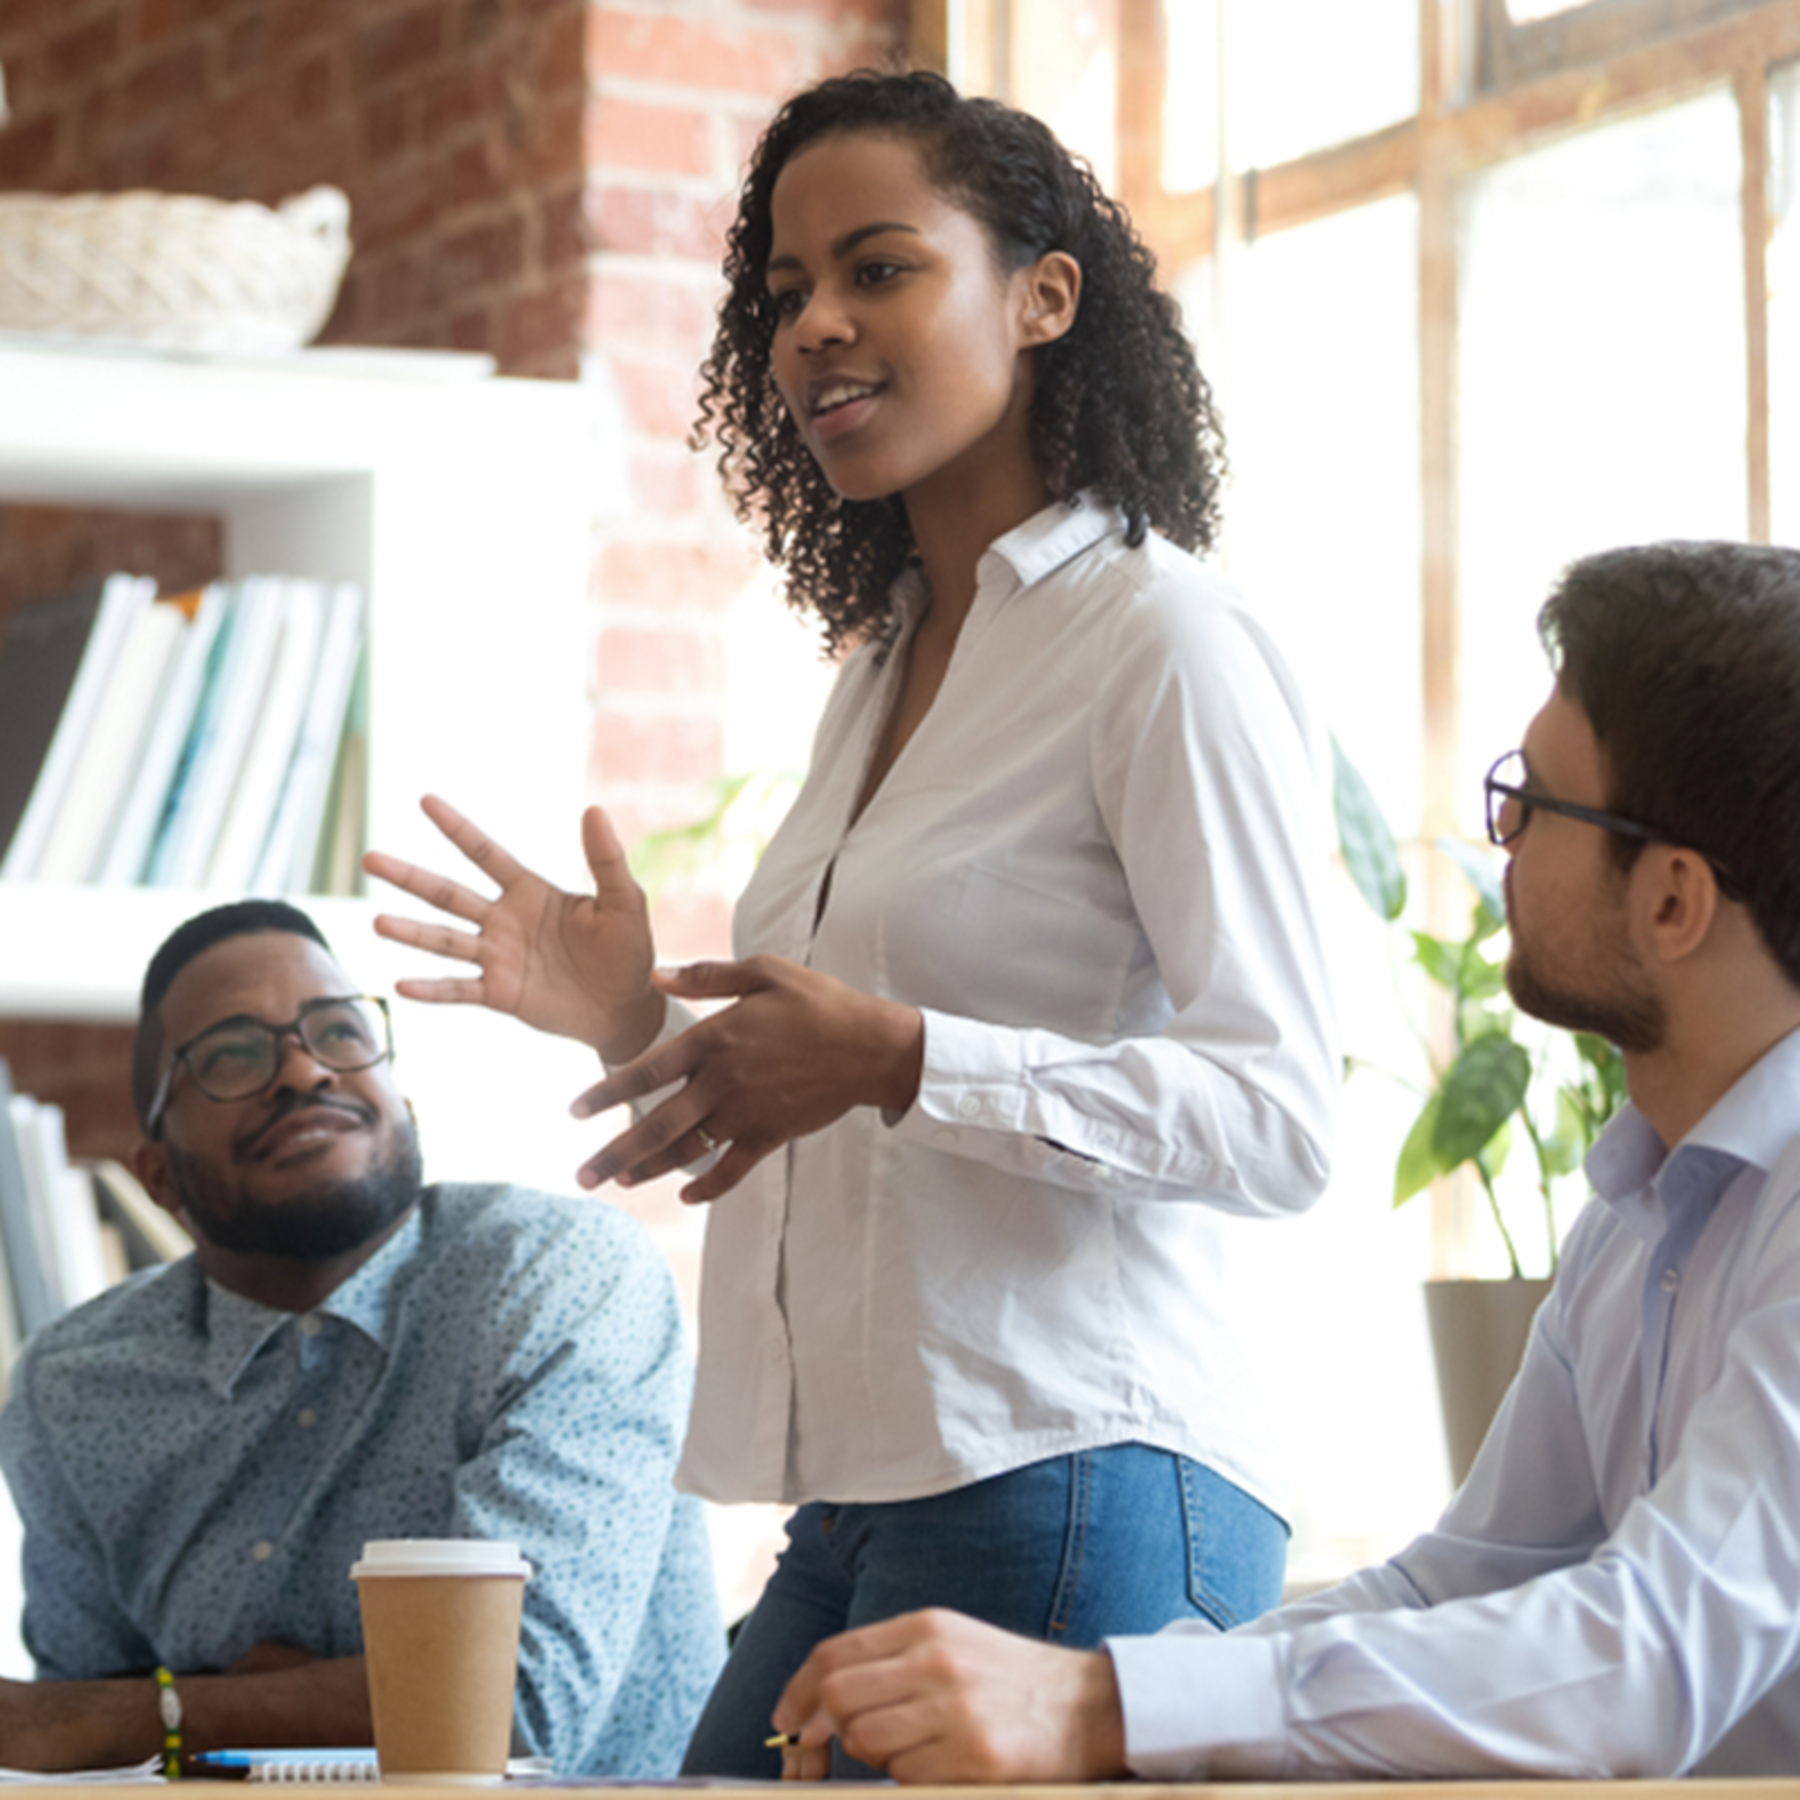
217 1765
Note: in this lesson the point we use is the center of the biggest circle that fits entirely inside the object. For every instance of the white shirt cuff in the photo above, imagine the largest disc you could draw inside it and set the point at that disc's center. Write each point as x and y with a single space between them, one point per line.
1189 1701
969 1078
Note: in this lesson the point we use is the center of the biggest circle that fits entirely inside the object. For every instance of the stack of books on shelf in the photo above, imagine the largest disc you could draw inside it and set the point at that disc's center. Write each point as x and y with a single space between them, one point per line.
215 739
67 1230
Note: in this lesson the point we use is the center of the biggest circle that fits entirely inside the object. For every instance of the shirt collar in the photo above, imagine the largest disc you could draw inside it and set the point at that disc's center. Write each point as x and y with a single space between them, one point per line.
1749 1125
1754 1118
1023 556
237 1328
1050 538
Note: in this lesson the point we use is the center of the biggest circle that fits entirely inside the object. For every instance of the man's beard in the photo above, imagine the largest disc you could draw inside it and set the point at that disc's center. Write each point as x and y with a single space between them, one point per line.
313 1225
1635 1021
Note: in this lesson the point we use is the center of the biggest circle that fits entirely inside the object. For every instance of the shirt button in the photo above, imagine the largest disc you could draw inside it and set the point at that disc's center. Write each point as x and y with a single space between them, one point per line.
308 1416
310 1327
968 1107
263 1551
1671 1280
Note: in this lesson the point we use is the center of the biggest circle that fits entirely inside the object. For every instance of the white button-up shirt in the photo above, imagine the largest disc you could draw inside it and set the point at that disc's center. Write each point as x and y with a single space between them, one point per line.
1616 1589
1091 868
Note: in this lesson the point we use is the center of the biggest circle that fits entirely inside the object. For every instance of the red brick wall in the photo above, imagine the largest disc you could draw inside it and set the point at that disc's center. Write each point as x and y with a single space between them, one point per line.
455 126
679 94
466 133
546 180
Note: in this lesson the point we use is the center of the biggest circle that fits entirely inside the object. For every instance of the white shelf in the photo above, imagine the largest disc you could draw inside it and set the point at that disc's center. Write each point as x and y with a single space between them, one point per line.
461 503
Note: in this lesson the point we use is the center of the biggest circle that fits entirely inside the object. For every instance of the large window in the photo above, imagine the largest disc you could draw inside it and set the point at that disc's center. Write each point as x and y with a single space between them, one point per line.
1483 285
1322 518
1601 376
1514 41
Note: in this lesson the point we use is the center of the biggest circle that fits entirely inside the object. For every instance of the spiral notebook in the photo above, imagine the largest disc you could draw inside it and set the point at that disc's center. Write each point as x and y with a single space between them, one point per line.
287 1765
319 1765
353 1765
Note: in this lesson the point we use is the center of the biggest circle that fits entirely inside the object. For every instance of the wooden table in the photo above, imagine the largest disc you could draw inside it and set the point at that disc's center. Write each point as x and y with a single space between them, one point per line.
1782 1788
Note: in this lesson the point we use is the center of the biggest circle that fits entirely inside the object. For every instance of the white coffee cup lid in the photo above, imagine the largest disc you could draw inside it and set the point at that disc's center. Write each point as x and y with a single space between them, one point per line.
440 1556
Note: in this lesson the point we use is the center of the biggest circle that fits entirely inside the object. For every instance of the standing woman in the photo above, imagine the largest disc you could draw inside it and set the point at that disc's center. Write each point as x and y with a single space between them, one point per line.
1030 993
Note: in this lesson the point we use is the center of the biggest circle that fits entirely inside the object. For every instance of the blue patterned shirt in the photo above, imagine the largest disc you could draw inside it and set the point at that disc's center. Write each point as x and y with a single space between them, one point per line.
196 1472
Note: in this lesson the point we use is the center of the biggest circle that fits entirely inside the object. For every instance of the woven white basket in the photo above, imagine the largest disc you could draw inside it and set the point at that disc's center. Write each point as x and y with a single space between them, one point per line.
173 270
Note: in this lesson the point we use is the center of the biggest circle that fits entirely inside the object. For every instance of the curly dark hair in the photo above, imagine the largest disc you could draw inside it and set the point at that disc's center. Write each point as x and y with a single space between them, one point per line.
1119 405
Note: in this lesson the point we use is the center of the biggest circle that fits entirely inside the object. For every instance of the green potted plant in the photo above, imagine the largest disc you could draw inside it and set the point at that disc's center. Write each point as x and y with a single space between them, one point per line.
1493 1080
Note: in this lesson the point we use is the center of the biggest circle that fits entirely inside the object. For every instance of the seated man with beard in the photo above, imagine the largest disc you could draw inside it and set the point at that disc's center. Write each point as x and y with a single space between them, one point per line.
199 1454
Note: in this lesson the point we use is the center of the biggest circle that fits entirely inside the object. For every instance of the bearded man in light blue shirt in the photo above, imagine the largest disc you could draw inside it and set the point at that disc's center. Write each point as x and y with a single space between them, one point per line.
1615 1591
199 1454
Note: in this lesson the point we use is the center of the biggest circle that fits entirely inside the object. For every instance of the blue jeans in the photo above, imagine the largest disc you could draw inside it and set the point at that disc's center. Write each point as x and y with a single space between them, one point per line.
1099 1544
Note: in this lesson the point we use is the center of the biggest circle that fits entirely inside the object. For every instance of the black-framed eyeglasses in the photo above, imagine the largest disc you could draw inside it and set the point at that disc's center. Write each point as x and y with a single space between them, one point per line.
1510 804
240 1058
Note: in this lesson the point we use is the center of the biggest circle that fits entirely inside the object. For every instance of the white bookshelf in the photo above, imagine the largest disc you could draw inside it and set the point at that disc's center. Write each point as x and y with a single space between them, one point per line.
461 503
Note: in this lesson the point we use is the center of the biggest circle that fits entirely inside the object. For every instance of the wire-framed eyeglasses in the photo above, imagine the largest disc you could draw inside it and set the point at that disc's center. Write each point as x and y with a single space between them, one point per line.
240 1058
1510 804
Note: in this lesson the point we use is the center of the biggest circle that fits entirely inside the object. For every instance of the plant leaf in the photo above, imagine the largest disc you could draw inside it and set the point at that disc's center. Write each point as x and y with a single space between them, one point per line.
1477 1019
1438 958
1484 1088
1417 1164
1478 865
1364 838
1476 977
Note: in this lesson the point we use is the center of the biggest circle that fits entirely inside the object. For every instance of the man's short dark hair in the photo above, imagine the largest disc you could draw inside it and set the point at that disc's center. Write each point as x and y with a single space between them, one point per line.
238 918
1685 657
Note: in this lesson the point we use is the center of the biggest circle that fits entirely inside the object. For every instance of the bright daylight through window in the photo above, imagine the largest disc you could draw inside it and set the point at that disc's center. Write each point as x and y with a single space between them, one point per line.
1481 285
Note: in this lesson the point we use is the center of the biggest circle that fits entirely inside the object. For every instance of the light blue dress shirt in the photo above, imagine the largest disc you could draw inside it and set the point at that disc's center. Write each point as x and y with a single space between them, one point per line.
196 1473
1615 1591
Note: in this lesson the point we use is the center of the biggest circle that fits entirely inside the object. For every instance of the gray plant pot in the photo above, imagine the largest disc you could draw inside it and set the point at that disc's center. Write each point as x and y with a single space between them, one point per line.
1478 1332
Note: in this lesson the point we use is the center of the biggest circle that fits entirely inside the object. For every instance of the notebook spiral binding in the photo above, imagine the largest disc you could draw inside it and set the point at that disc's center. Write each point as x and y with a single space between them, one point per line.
360 1770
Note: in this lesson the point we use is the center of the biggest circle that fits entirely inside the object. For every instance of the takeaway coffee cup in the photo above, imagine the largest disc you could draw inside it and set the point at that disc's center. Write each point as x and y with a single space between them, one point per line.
440 1623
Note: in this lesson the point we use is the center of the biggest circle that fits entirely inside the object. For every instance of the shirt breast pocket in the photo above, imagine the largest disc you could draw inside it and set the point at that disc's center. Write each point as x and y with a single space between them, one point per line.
993 944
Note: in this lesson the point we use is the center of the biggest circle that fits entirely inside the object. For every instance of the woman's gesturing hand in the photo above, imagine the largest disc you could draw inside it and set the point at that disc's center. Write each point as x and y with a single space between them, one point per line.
794 1051
572 965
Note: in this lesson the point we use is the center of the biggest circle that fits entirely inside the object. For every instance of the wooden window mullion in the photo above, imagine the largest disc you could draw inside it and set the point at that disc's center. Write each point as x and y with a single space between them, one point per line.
1751 86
